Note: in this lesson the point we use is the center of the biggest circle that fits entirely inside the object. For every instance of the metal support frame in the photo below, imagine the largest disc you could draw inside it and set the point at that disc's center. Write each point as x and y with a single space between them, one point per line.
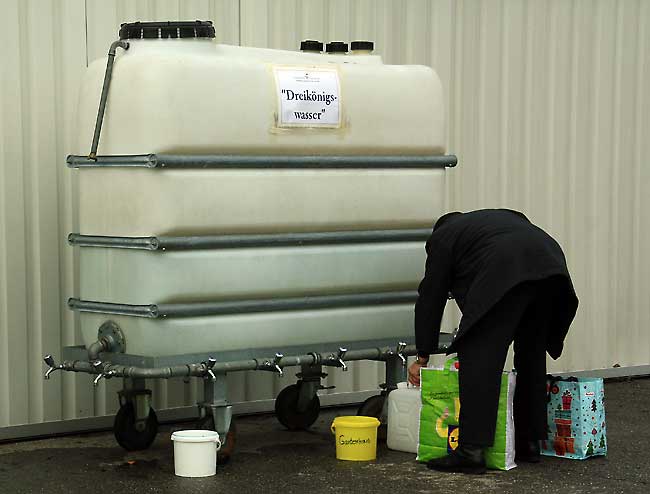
135 391
183 366
309 384
395 372
265 162
92 156
251 240
216 404
395 366
199 309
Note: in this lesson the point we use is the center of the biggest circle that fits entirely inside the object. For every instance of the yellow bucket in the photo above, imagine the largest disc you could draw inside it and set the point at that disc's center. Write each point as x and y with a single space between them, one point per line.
356 438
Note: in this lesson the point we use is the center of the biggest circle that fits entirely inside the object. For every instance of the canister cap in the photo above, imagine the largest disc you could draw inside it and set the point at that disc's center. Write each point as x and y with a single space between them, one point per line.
337 47
167 29
311 45
362 45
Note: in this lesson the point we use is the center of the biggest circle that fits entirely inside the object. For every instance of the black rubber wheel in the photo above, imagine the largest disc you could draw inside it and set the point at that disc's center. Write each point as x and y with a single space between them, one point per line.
374 407
127 435
227 450
286 409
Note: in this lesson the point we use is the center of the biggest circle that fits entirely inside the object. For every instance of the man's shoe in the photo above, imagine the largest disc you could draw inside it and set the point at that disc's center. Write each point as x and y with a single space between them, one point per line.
465 459
527 451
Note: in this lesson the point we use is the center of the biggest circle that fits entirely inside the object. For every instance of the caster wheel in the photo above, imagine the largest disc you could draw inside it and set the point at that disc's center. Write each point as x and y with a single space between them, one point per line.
286 409
126 433
374 407
227 450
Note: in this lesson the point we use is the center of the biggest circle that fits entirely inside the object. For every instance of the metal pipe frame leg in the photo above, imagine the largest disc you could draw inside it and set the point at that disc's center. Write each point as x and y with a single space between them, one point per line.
297 406
135 391
308 385
395 372
136 424
216 414
216 406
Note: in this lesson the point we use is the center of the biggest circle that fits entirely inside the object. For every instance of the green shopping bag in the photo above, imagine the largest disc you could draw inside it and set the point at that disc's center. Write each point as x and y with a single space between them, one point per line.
441 409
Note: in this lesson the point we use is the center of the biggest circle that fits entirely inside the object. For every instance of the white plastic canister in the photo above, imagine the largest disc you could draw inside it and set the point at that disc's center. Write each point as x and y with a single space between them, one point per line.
404 406
195 453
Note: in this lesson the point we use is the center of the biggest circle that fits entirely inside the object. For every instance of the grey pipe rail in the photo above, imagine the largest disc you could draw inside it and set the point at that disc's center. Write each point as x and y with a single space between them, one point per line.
205 369
234 161
253 240
104 97
198 309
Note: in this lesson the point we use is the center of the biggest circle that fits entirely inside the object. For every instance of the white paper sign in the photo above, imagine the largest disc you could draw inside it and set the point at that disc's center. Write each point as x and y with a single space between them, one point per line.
308 97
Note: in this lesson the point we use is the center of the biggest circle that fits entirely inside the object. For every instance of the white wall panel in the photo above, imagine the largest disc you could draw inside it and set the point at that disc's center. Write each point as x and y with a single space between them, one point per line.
549 118
43 53
548 114
548 110
45 49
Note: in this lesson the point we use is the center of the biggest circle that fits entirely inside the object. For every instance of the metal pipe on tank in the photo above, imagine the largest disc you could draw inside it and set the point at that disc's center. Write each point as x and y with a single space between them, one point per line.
102 102
95 349
202 369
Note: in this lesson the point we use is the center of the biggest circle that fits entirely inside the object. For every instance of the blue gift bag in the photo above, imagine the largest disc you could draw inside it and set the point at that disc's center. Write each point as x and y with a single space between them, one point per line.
575 418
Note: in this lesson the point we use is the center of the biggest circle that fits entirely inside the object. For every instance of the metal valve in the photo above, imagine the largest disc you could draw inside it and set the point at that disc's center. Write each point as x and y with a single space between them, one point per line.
338 358
49 360
400 352
105 375
208 367
276 364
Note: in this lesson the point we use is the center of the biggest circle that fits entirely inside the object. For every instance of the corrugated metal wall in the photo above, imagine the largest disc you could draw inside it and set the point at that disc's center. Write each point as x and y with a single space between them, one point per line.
549 112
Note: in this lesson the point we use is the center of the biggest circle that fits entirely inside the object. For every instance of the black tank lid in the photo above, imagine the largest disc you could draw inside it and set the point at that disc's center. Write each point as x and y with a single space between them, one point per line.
167 29
337 47
363 45
311 45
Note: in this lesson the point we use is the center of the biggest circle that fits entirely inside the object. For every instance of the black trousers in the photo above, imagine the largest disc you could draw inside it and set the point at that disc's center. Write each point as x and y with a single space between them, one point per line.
522 316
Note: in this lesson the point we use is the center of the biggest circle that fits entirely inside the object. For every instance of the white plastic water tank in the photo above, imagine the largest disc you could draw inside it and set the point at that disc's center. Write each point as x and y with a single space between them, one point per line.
192 97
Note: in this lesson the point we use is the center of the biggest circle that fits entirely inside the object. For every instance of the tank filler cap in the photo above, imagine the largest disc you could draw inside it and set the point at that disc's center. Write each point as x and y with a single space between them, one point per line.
167 29
337 47
311 45
362 45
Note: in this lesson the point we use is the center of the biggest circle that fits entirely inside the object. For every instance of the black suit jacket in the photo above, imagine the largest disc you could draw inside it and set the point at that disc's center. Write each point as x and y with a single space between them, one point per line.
478 257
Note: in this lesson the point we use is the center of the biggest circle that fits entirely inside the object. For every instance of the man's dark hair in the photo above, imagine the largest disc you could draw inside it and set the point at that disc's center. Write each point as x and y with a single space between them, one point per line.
444 218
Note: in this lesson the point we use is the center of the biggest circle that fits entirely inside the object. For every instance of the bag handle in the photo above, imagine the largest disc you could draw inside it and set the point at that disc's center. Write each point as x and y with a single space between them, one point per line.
451 362
553 380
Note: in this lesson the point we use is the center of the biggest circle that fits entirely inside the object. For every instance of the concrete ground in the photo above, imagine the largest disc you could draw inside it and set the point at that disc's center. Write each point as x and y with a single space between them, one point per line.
270 459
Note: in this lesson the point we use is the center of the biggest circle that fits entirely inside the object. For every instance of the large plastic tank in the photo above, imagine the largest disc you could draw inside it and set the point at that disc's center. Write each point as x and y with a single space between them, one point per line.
192 97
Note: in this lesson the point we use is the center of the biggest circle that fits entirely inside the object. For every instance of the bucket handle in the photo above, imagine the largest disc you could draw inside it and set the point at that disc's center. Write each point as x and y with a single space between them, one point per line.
217 444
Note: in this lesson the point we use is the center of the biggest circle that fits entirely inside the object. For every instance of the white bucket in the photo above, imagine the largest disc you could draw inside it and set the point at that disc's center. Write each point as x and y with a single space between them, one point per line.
195 453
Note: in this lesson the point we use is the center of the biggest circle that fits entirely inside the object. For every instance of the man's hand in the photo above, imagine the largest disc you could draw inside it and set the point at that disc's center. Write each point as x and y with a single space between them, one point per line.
414 372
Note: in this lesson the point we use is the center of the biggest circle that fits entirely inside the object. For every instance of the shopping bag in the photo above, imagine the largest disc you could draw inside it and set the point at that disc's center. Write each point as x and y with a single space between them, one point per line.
439 431
575 418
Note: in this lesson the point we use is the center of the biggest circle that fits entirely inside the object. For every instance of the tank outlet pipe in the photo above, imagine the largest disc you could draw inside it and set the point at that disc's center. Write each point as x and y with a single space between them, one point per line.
102 102
95 349
210 368
109 339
